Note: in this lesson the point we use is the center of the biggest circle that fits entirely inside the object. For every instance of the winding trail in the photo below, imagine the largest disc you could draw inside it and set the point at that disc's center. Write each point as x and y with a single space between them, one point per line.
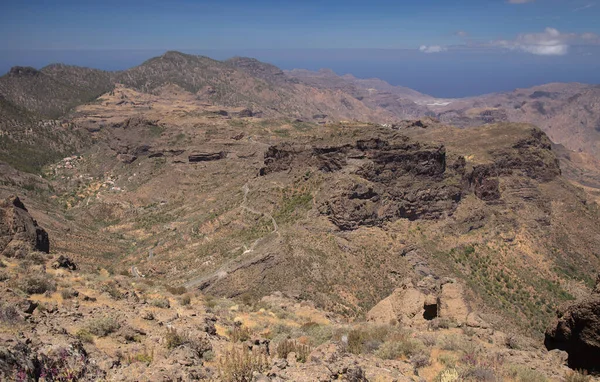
224 270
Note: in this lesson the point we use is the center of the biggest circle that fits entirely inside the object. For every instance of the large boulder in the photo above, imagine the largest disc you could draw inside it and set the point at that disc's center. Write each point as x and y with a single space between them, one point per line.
19 232
577 331
405 305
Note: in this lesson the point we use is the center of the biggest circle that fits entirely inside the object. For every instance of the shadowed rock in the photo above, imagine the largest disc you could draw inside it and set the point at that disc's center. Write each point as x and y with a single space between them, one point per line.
206 157
19 232
577 331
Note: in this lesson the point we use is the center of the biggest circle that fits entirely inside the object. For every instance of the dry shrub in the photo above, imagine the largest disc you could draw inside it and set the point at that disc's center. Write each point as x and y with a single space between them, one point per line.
420 359
68 293
112 290
174 339
185 300
239 334
577 376
142 355
85 336
102 326
369 338
161 303
9 314
36 284
285 347
177 291
239 365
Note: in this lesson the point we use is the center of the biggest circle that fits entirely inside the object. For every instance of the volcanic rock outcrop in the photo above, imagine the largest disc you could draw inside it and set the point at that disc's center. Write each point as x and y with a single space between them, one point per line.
392 177
577 331
19 232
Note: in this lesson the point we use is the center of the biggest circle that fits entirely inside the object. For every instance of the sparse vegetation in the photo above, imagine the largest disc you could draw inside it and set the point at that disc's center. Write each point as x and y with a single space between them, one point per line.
239 365
285 347
102 326
239 333
68 293
85 336
161 303
185 300
36 284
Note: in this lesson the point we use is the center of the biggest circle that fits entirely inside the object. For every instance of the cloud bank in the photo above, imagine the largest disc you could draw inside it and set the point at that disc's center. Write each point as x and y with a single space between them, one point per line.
550 42
432 48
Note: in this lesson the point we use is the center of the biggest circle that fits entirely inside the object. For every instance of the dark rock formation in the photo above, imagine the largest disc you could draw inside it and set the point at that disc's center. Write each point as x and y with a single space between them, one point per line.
400 179
19 232
577 331
206 157
23 71
484 182
244 113
64 262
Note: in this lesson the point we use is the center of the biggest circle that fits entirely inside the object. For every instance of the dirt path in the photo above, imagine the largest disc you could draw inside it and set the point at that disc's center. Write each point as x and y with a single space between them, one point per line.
224 271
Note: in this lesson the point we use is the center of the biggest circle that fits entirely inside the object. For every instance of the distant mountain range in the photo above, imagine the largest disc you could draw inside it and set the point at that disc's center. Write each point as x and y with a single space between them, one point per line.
569 113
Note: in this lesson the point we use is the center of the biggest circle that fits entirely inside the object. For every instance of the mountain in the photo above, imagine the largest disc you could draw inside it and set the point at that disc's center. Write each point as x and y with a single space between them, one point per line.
53 90
400 101
222 83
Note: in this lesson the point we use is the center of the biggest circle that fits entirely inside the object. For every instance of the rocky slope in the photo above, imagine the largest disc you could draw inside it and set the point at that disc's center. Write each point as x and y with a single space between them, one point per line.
58 323
379 234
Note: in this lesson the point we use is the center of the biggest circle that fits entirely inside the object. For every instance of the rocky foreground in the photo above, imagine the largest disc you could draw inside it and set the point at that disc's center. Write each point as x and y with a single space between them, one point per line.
58 323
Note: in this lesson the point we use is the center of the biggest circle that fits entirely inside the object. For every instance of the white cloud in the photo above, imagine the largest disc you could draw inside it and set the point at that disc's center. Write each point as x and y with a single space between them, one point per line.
550 42
432 49
520 1
587 6
461 34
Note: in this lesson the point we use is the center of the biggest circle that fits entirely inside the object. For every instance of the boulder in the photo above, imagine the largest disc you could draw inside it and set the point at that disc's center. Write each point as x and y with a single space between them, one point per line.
452 303
577 331
64 262
404 305
19 232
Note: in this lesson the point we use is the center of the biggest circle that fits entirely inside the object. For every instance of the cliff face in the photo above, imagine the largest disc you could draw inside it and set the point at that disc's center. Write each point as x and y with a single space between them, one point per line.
19 232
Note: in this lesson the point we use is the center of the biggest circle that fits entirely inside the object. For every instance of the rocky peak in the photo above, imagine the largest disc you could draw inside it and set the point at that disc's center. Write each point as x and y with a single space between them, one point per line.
23 71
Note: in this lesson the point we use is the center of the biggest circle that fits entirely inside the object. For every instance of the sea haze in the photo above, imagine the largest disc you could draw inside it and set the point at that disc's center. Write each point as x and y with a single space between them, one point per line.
454 73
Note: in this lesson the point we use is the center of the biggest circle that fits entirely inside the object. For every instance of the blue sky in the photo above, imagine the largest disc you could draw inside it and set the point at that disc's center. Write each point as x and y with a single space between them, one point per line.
456 38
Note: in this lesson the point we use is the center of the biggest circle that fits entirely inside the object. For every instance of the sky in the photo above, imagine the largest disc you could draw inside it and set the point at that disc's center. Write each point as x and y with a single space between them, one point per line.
441 47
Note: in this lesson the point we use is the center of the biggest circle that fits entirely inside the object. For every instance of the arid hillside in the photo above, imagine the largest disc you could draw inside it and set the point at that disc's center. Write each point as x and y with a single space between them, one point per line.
203 220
